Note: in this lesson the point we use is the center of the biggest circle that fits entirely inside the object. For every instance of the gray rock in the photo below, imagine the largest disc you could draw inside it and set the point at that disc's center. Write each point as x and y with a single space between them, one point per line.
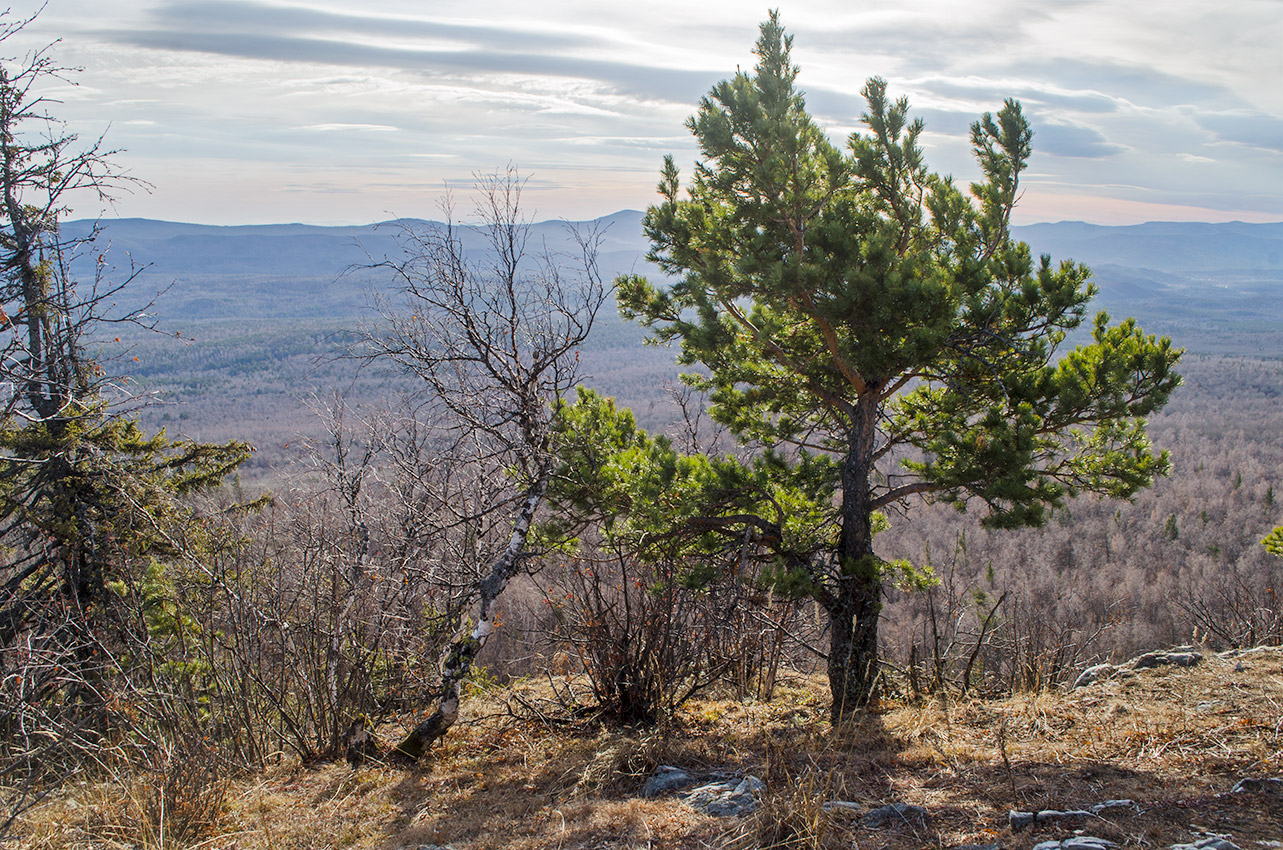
1211 842
1020 820
1113 804
1092 675
1078 842
666 778
1272 785
1054 815
1147 661
842 807
1181 656
895 814
728 798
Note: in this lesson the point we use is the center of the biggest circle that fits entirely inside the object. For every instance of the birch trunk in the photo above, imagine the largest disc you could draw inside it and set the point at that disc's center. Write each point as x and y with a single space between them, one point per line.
458 658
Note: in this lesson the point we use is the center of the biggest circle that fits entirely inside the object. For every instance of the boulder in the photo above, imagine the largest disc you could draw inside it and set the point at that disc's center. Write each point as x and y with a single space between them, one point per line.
895 814
1094 674
1078 842
1021 820
727 798
1178 656
1211 842
1181 656
666 779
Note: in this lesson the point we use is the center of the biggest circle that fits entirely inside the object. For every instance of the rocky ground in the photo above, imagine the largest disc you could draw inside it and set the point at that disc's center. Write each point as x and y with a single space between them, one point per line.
1157 753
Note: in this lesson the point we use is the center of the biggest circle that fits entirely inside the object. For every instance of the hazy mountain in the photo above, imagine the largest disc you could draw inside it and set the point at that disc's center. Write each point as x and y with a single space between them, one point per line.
1176 277
307 250
1163 245
265 312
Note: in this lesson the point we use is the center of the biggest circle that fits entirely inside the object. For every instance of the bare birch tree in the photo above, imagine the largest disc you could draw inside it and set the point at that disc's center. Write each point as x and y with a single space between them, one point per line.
495 337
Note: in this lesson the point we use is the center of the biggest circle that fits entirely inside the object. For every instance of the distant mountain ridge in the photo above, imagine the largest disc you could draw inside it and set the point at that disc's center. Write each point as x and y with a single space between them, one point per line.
177 248
1162 245
1173 276
305 250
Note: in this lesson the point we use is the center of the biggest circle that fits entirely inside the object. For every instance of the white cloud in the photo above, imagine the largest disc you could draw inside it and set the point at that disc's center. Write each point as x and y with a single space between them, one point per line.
221 101
360 128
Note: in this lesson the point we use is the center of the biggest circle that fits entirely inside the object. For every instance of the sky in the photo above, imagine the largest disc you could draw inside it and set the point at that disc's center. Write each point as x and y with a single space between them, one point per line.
329 112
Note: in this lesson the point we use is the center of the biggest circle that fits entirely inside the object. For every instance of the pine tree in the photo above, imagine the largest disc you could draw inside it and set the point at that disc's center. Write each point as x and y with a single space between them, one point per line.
877 335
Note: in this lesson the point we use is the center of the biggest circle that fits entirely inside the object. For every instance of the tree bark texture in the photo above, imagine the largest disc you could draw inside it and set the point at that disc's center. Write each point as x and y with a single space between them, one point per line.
855 607
462 652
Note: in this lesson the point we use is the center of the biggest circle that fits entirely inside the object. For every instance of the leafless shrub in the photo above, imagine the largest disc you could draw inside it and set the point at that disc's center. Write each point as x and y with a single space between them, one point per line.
974 633
344 591
1234 610
758 638
641 639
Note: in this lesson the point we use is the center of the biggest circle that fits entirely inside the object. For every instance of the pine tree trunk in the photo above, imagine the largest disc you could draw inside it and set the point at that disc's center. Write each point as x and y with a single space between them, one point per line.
853 612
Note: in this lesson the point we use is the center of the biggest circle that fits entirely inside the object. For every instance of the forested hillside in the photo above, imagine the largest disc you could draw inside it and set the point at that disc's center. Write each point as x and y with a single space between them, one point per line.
264 313
1114 578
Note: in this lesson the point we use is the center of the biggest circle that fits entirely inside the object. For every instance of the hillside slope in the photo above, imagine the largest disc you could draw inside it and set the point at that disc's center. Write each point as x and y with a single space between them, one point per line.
1172 741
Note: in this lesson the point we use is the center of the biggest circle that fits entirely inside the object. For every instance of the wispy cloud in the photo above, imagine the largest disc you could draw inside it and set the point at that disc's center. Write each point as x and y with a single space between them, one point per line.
1245 127
1065 138
373 105
432 47
358 128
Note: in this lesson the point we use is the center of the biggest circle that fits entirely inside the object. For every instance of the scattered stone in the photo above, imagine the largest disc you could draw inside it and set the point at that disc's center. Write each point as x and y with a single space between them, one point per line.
1020 820
1114 804
666 778
1092 675
1050 815
1181 656
895 814
727 798
842 807
1239 668
1211 842
1272 785
1078 842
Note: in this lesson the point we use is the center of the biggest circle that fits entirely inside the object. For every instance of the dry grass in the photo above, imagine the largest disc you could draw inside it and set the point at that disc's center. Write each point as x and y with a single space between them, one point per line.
1175 741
